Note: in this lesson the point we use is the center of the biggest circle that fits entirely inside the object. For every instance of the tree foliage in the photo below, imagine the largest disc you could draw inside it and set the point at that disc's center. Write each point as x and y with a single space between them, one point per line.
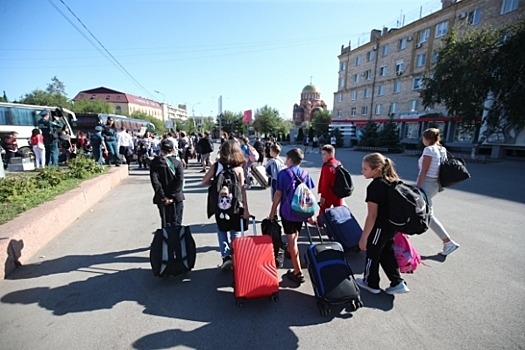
92 106
4 98
56 87
159 124
44 98
479 63
267 120
231 122
389 137
321 122
370 136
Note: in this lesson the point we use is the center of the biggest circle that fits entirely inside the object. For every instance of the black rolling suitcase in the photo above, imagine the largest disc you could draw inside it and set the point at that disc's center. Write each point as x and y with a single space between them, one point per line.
332 278
173 250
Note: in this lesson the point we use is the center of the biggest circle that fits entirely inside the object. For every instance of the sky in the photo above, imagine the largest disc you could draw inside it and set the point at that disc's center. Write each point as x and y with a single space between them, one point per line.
251 52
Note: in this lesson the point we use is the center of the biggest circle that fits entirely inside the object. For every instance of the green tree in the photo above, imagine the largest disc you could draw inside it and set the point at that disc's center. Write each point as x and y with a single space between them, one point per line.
300 135
4 98
474 66
267 120
56 87
160 128
231 122
92 106
40 97
389 137
370 135
321 122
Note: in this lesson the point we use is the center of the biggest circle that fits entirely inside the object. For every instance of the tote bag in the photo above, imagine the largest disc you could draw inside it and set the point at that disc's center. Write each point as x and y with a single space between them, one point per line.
452 170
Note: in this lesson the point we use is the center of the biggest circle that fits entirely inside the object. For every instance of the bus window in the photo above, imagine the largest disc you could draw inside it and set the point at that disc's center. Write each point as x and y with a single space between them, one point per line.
22 116
3 115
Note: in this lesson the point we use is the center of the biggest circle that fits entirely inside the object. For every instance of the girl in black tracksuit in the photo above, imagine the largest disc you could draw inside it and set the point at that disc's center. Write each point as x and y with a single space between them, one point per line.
378 235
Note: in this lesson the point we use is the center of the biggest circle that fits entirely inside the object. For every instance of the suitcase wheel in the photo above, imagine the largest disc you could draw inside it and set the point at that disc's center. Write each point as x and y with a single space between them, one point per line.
275 297
239 302
354 305
324 308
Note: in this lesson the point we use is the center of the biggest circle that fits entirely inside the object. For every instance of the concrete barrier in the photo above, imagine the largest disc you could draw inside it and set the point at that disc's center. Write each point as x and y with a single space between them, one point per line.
23 236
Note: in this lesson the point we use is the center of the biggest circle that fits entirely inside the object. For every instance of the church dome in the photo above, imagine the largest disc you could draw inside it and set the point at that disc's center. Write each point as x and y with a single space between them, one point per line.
310 88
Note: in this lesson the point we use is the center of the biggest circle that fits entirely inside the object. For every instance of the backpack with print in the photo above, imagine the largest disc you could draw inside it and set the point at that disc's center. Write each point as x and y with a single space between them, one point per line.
224 195
408 209
303 204
408 259
343 186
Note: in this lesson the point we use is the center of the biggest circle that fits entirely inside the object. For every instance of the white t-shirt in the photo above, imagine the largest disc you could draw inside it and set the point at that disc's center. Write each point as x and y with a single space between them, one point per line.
437 153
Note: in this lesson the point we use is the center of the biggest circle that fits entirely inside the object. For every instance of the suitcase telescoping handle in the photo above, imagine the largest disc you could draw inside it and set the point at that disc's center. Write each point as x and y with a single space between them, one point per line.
252 217
310 236
164 224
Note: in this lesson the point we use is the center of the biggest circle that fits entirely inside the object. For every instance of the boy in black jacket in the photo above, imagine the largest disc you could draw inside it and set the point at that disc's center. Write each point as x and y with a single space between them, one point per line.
167 179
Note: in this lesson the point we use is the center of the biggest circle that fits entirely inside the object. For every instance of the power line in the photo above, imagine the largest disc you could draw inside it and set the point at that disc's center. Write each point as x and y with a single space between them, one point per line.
101 45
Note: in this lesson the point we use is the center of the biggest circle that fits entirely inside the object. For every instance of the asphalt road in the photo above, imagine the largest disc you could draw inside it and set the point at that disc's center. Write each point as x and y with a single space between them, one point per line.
92 287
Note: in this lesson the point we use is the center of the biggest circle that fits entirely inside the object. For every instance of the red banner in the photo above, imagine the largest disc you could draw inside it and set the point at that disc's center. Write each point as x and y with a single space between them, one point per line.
247 117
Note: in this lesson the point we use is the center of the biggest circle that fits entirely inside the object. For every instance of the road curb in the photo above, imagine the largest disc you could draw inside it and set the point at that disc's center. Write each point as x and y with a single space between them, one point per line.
23 236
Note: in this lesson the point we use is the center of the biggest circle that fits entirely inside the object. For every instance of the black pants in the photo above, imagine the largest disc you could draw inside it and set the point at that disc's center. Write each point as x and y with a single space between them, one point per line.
379 251
173 213
8 155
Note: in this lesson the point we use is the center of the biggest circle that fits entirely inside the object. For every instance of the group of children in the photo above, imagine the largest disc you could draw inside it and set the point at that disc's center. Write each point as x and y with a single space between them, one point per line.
285 176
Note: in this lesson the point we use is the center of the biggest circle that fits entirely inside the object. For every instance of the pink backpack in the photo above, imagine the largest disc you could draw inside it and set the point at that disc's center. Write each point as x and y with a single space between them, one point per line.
407 256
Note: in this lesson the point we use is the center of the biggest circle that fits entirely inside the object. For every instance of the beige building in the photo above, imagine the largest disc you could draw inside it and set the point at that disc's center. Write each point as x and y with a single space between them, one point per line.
383 77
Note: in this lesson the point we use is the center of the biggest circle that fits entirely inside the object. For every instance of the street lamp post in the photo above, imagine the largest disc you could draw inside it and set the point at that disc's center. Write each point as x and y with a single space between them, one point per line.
165 115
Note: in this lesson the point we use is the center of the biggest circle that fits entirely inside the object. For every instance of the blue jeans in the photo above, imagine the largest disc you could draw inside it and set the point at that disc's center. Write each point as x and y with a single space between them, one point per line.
224 244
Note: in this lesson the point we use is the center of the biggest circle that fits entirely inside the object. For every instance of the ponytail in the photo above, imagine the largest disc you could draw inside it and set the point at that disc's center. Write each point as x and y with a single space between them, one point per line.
379 161
389 172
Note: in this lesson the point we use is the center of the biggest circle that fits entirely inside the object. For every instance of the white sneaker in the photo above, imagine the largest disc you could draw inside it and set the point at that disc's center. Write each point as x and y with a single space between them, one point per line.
399 289
449 248
362 284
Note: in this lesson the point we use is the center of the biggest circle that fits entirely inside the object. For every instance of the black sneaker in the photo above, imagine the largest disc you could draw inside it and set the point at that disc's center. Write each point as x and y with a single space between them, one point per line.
299 278
226 263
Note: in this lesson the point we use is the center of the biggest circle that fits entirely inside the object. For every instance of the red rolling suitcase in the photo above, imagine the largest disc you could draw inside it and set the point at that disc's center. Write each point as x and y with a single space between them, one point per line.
254 271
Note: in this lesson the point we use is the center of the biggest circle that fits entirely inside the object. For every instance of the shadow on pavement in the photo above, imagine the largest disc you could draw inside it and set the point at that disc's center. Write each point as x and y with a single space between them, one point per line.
436 257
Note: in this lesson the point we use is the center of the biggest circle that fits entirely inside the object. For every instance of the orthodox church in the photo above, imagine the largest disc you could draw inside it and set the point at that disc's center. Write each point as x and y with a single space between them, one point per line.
310 102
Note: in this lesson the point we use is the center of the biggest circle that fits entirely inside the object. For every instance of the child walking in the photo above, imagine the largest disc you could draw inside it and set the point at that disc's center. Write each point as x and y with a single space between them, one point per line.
37 142
378 235
274 165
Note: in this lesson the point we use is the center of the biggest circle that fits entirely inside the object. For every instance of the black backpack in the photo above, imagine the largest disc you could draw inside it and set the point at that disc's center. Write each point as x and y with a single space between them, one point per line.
343 186
224 194
408 209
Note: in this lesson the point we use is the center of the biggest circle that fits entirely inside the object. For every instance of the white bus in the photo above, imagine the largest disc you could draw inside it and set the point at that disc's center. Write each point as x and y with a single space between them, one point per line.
24 118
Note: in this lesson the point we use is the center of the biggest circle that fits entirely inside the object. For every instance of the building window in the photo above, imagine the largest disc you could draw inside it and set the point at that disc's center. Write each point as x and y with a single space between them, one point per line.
370 55
420 59
368 74
412 131
423 36
441 29
402 44
342 66
354 95
400 67
353 111
339 114
435 57
380 90
378 109
382 71
393 107
473 17
386 47
339 97
508 6
356 78
93 96
357 60
107 97
118 109
341 83
364 110
417 83
413 105
397 86
462 134
118 97
366 93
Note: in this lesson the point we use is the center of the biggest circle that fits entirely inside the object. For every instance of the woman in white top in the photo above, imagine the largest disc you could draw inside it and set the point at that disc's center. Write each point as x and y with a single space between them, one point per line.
428 180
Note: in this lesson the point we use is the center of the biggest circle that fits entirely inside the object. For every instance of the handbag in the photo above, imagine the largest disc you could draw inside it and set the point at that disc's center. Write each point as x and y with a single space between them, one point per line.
452 170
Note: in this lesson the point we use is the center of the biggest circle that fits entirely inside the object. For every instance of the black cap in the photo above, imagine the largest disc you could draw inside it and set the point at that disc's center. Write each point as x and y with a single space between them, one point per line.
166 146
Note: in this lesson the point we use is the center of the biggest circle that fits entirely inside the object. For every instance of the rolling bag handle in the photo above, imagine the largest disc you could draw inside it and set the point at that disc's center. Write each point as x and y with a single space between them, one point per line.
310 236
254 226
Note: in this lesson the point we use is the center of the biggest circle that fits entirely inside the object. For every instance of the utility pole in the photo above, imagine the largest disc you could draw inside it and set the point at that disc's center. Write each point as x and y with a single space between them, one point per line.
220 116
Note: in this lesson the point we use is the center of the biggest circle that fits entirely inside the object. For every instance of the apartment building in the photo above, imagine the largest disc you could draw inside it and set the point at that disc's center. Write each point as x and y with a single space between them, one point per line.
383 77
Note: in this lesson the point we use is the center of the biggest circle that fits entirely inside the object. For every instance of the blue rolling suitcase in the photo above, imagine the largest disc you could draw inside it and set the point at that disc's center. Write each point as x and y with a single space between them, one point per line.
332 278
341 226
